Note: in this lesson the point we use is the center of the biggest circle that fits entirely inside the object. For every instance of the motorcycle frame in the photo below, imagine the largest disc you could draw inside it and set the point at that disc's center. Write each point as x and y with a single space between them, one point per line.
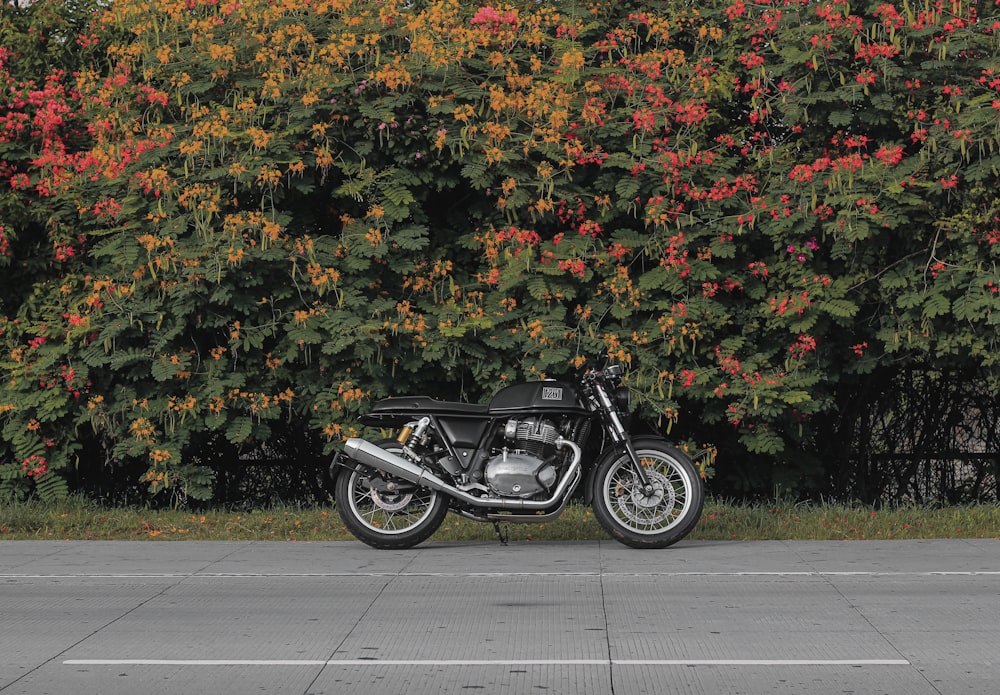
466 437
467 431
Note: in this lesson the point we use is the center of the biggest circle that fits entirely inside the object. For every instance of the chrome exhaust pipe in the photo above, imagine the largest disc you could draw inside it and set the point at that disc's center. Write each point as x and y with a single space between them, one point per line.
369 454
375 456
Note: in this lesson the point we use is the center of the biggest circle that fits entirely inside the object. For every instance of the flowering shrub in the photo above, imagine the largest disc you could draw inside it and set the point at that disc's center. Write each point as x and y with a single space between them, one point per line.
220 217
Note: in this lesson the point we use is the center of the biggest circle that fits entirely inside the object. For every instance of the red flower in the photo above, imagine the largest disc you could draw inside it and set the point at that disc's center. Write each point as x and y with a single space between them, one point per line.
803 346
890 155
35 466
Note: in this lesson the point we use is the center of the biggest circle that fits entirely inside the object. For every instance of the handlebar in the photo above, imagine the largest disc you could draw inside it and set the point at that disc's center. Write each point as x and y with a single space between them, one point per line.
607 372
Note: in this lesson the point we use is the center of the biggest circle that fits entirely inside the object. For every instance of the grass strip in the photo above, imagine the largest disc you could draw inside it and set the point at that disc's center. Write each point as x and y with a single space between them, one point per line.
80 519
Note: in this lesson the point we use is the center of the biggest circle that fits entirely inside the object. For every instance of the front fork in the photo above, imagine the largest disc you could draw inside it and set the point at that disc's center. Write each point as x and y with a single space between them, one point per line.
621 437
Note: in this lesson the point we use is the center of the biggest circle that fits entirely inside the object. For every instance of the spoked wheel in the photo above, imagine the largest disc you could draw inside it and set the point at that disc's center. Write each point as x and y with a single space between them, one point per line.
653 518
387 516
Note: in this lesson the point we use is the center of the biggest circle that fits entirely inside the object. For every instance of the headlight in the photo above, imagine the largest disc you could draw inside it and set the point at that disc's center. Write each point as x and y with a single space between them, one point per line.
623 400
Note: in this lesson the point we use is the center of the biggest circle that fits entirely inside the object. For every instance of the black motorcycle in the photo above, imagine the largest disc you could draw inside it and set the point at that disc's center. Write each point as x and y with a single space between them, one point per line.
518 459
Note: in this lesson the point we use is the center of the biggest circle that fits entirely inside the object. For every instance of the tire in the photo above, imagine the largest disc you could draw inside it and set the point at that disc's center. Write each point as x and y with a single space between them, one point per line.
648 521
389 521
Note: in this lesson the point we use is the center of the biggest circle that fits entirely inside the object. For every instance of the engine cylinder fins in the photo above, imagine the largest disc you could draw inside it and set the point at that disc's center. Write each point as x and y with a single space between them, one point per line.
536 436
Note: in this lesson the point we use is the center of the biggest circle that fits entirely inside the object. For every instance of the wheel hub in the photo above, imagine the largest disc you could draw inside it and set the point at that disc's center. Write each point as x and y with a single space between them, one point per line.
650 497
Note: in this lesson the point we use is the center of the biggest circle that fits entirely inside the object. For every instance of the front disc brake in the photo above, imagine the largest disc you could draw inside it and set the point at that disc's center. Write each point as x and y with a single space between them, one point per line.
640 508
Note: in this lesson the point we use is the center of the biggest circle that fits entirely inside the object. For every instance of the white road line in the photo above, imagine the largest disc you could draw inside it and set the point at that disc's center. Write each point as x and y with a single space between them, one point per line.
762 662
486 662
194 662
490 575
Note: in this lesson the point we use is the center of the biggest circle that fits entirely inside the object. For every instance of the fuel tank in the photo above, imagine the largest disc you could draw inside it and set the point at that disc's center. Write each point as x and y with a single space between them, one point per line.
537 396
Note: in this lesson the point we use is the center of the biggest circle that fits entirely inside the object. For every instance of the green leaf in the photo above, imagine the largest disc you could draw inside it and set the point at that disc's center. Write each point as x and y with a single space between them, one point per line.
936 305
840 118
763 442
162 369
841 308
412 237
239 430
52 487
397 192
972 308
626 188
475 173
794 397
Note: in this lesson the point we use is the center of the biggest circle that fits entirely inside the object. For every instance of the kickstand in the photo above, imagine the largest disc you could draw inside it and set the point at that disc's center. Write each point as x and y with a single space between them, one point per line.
503 535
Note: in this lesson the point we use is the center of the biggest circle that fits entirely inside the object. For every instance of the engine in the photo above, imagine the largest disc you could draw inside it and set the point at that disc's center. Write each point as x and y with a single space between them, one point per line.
527 464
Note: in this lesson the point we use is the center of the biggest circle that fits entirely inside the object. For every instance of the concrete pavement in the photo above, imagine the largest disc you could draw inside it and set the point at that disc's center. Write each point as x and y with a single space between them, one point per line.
914 617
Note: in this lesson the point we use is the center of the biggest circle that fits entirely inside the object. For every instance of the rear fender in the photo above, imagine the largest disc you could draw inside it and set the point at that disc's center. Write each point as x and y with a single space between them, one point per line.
337 465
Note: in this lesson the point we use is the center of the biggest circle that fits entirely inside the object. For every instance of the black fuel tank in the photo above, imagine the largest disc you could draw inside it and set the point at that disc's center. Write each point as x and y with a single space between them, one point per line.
537 396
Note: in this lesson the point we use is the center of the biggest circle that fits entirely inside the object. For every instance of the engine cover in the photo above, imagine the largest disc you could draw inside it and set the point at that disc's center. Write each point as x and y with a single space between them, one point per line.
516 474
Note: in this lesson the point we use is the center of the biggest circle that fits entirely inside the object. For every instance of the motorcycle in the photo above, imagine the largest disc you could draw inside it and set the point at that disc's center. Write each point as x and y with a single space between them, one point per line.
517 459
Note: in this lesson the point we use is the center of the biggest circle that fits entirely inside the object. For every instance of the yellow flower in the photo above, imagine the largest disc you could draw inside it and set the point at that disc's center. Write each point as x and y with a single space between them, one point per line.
160 455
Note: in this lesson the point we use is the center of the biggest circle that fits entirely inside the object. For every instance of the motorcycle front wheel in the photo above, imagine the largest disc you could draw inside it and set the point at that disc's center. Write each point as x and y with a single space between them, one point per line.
387 520
653 518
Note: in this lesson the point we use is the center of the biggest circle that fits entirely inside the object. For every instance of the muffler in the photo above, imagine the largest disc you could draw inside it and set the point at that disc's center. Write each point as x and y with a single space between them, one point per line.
375 456
369 454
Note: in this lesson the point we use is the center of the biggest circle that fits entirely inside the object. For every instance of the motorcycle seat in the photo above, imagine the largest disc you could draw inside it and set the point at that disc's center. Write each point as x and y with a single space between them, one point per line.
422 405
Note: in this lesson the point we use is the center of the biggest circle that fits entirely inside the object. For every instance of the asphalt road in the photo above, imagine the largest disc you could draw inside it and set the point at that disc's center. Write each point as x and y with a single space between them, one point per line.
232 618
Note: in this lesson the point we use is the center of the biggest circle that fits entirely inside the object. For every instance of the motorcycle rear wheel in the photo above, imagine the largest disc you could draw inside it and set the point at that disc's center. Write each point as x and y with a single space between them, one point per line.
389 521
648 520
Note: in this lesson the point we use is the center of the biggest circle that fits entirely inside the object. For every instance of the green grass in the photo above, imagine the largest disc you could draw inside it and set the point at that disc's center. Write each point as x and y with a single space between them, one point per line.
79 519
